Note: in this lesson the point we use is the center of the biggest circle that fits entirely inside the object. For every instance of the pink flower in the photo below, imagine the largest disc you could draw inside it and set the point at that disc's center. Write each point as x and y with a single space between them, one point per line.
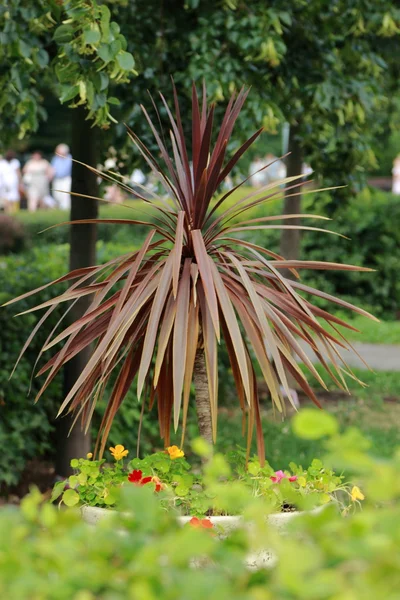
279 475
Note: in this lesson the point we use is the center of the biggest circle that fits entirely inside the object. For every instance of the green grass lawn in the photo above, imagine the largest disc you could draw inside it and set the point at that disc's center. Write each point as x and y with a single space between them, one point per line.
384 332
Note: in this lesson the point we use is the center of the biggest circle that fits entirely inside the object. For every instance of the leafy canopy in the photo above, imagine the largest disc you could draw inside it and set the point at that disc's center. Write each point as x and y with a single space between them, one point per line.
194 282
71 48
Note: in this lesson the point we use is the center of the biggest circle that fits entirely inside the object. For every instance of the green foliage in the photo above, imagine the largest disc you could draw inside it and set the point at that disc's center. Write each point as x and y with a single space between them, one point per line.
195 492
73 48
324 556
25 428
369 220
326 68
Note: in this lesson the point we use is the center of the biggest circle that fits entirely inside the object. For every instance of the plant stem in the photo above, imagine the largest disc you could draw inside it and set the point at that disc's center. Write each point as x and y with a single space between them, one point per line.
203 407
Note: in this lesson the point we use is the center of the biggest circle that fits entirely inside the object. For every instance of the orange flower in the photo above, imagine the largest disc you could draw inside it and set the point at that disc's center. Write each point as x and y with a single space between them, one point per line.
175 452
119 452
201 523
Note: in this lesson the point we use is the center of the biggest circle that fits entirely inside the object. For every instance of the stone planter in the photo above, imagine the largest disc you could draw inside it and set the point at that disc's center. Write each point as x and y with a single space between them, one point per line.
223 525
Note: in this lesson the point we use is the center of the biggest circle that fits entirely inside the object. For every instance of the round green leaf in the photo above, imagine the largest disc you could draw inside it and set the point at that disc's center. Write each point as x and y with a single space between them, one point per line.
181 490
312 424
125 61
104 52
70 497
91 36
74 463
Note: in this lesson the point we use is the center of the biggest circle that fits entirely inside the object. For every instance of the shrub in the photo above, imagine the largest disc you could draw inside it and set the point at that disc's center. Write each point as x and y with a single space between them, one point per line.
12 235
371 222
25 428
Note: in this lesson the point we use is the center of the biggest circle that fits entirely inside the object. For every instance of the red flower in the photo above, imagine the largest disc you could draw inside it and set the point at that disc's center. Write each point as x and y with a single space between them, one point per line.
158 484
201 523
145 480
137 478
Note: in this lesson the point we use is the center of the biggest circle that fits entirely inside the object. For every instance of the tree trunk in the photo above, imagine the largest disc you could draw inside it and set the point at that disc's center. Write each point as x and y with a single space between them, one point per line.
290 238
82 254
203 407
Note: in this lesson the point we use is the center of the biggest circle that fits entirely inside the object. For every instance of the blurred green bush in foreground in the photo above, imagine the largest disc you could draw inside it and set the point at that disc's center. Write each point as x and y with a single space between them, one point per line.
51 555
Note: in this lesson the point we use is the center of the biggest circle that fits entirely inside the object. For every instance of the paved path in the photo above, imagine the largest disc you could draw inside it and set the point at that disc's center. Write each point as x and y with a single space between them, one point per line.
379 357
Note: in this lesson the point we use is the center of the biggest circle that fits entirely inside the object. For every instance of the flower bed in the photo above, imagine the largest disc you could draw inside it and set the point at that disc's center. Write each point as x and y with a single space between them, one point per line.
195 492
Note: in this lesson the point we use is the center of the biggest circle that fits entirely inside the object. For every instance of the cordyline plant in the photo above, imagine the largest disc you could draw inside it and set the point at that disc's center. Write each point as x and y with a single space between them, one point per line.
158 314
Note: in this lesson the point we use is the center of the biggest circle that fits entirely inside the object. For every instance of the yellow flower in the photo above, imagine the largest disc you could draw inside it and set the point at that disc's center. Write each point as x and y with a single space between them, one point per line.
119 452
356 494
89 455
175 452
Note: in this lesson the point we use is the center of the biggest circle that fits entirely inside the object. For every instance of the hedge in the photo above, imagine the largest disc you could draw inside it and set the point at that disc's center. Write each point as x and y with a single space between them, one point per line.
26 429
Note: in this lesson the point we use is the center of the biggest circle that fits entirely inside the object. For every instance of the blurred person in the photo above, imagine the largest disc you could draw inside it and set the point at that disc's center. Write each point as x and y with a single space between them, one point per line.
258 178
61 164
10 180
277 170
137 179
113 192
37 174
396 176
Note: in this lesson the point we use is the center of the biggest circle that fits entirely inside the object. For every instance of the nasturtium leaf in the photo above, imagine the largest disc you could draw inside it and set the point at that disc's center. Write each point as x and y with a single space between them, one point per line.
57 490
312 424
82 478
70 498
125 61
111 497
181 490
74 463
73 481
254 468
